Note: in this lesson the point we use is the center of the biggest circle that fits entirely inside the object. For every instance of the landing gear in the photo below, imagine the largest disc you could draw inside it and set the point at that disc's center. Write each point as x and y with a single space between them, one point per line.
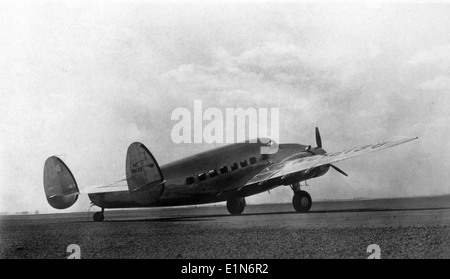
99 216
302 200
236 206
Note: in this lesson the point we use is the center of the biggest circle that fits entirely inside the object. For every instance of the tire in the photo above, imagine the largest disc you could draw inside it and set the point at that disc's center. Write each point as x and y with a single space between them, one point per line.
236 206
99 217
302 201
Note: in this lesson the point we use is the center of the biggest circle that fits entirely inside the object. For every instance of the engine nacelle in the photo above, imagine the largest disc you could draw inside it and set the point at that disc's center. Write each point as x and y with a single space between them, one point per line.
60 186
304 175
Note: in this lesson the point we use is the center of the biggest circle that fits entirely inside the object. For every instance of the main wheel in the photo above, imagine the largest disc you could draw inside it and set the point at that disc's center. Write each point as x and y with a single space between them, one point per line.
236 206
302 201
99 217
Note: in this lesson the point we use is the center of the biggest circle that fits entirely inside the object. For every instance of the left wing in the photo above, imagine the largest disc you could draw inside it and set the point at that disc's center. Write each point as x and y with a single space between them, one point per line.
301 164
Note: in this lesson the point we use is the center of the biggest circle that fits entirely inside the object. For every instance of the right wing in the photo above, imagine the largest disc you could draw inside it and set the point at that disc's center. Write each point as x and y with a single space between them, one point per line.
303 164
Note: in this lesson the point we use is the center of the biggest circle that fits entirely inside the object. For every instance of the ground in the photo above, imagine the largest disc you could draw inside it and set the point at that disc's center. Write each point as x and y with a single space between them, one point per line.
402 228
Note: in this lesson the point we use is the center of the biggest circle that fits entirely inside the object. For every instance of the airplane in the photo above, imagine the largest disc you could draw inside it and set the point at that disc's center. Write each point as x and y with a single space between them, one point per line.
229 173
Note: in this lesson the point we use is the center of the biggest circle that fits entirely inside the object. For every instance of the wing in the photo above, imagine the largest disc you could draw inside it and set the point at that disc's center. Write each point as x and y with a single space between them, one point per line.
301 164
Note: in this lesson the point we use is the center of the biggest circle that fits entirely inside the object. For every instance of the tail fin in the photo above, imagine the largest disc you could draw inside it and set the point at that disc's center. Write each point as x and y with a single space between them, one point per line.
60 186
144 178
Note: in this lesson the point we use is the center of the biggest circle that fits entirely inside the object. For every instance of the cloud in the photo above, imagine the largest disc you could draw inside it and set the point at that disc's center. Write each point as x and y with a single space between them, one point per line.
439 83
276 63
438 56
87 80
435 66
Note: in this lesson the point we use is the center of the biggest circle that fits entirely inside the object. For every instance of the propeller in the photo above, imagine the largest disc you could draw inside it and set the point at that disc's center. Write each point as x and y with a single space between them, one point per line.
318 138
338 170
319 145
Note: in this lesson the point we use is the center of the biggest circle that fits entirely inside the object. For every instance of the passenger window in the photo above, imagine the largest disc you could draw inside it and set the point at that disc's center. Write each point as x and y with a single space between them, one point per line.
223 169
234 166
201 176
265 156
212 173
244 163
190 180
253 160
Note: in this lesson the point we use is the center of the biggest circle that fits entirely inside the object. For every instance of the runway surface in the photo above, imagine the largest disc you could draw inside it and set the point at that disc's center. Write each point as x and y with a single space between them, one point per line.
402 228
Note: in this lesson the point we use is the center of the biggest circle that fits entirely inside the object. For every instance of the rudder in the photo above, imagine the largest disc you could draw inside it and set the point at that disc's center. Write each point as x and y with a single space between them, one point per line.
144 178
61 189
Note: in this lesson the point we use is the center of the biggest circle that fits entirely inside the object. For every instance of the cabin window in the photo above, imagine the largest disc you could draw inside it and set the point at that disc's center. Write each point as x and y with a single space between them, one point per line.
252 160
190 180
201 176
234 166
212 173
223 169
265 156
244 163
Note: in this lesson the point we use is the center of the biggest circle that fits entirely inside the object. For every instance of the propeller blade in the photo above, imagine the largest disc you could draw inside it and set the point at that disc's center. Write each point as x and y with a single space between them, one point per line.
318 139
338 170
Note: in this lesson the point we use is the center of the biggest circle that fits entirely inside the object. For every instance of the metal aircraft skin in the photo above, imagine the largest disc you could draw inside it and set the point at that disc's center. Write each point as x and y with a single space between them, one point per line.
228 173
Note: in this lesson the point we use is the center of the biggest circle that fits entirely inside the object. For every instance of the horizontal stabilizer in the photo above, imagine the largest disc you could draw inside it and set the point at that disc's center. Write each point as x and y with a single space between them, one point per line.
117 186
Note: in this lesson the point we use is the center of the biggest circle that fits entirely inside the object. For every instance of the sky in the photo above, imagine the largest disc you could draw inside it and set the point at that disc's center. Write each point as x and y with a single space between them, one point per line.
83 80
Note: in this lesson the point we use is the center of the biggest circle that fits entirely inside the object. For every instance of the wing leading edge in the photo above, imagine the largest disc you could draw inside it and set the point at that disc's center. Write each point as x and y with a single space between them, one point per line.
301 164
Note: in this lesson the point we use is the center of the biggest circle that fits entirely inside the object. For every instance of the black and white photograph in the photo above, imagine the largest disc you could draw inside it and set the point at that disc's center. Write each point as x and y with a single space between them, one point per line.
224 130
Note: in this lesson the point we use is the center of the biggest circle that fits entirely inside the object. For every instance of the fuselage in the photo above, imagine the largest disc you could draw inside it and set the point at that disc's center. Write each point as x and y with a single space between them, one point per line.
214 176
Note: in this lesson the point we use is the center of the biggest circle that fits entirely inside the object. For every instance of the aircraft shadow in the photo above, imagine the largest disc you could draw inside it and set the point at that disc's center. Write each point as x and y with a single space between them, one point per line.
203 218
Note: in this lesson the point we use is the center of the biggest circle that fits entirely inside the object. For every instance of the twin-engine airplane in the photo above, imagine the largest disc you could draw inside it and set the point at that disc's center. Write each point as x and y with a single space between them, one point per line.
228 173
